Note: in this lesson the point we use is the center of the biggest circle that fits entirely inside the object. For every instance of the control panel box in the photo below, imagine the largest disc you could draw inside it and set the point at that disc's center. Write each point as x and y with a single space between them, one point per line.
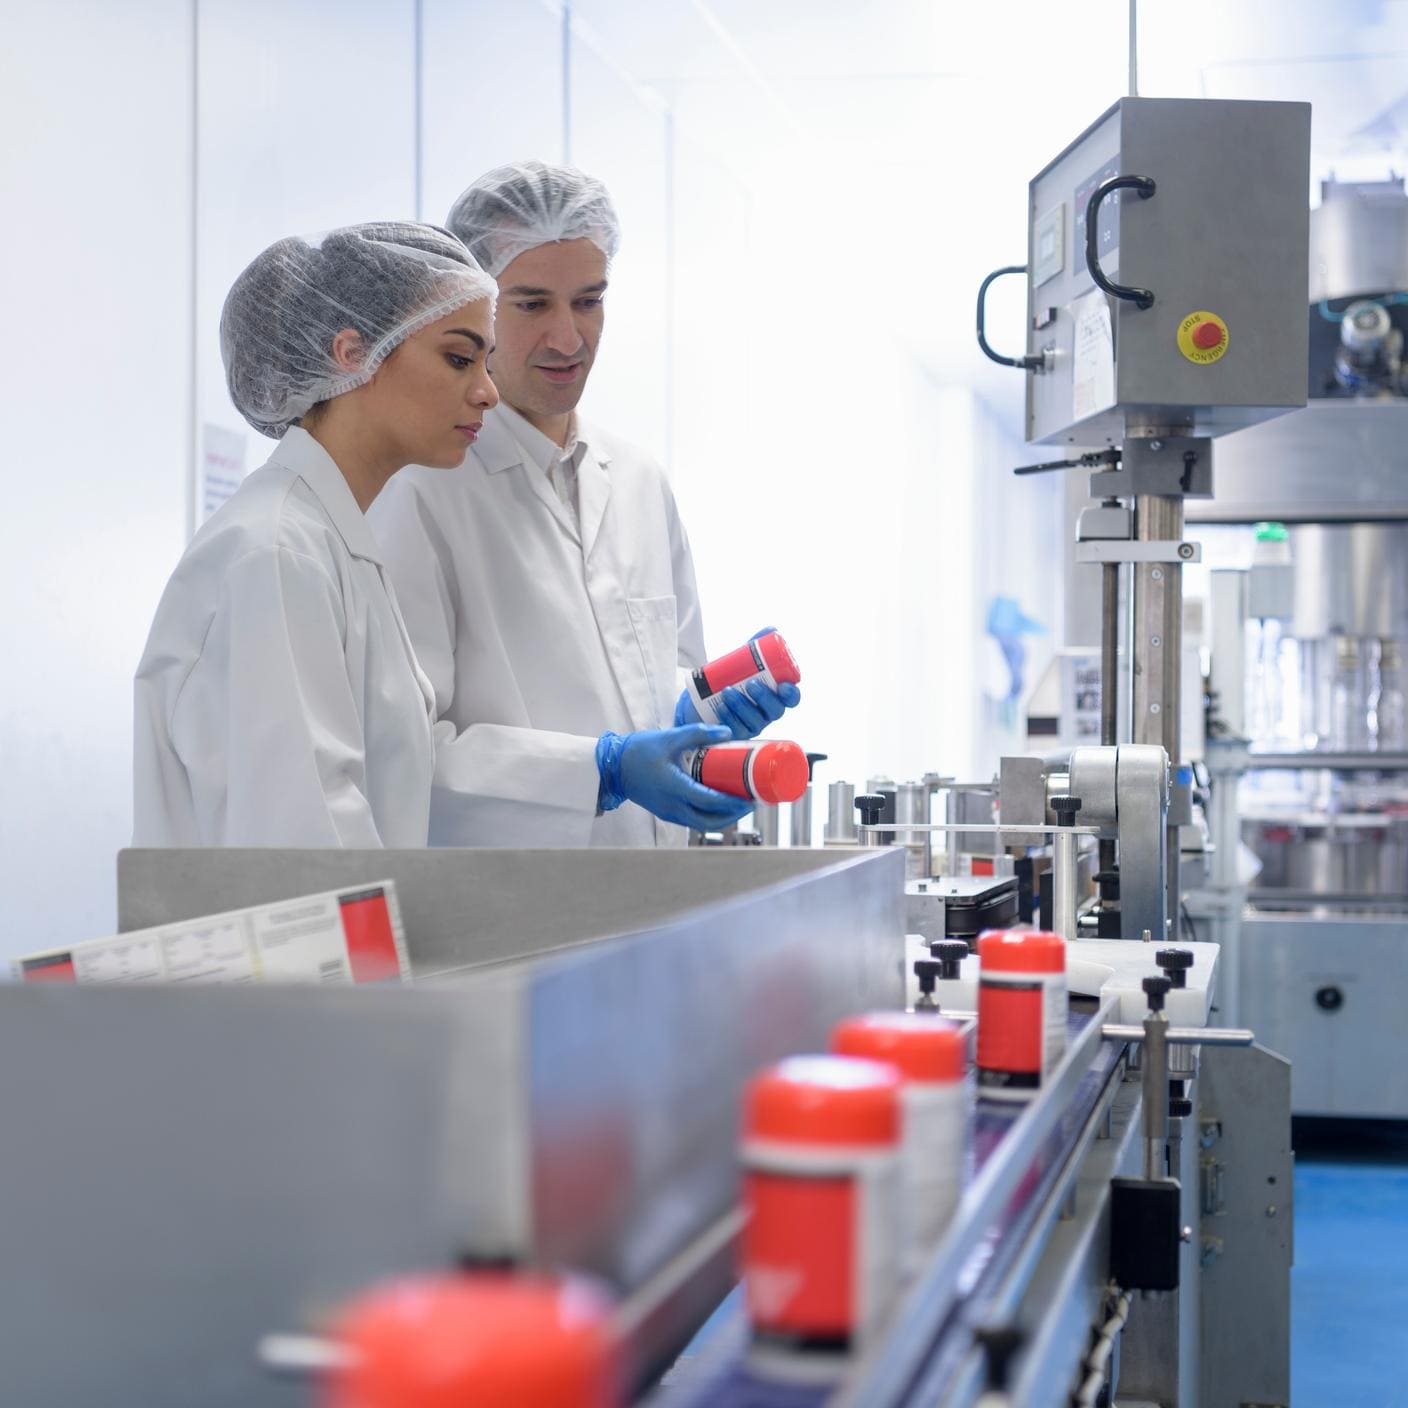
1217 231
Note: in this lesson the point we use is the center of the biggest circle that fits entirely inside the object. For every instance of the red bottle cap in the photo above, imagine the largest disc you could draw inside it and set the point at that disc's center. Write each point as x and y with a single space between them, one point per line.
443 1341
824 1100
779 659
1021 951
780 772
920 1047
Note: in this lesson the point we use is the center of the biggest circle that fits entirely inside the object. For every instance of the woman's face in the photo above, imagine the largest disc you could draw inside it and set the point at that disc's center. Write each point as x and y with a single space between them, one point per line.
433 390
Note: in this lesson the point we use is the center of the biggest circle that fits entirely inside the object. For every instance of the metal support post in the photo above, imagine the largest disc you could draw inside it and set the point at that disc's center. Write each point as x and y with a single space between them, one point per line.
1109 677
1158 645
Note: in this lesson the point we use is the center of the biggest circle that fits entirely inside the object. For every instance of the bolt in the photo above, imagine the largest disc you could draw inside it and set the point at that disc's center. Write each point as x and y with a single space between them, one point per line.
1185 550
1156 640
1157 574
1186 1235
1271 1209
1154 709
1156 445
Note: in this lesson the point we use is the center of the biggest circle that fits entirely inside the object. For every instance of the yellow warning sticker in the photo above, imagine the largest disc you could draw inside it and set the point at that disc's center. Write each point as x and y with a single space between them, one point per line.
1203 337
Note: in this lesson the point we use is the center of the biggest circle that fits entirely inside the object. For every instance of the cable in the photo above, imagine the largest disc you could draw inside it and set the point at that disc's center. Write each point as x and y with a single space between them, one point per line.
1188 921
1097 1362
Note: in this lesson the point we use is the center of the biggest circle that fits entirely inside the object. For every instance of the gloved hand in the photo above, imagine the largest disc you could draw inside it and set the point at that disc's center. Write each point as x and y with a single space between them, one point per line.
745 710
644 768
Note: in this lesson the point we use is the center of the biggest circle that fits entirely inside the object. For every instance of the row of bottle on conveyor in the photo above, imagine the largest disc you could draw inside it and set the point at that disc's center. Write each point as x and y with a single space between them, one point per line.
854 1162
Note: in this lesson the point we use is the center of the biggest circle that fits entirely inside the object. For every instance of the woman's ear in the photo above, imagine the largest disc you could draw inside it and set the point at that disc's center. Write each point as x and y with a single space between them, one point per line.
347 349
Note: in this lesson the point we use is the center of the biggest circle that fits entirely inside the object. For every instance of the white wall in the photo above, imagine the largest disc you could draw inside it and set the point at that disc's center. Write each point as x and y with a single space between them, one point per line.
300 126
95 367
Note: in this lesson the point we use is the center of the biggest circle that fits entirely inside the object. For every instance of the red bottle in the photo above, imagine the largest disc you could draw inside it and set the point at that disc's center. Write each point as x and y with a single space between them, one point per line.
767 659
763 772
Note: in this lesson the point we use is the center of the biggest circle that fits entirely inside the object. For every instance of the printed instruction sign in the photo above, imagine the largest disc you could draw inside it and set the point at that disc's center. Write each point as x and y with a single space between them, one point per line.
1093 355
340 936
222 461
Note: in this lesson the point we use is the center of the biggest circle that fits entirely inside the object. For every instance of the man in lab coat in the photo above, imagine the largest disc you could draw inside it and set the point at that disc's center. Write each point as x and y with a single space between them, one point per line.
547 583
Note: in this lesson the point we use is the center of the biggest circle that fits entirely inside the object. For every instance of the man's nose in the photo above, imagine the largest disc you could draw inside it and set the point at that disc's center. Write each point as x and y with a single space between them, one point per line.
563 336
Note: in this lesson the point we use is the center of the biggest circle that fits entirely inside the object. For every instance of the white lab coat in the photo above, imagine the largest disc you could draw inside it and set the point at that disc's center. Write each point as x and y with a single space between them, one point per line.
523 619
278 701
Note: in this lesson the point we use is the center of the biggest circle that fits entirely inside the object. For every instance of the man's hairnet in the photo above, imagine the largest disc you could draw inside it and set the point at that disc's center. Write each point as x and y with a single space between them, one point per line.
516 208
384 281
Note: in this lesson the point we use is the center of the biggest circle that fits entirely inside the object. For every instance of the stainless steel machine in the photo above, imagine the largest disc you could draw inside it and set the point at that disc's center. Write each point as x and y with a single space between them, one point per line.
196 1177
1153 328
1307 745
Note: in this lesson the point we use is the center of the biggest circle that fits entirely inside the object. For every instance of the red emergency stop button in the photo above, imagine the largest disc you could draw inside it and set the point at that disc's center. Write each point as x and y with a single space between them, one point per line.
1203 337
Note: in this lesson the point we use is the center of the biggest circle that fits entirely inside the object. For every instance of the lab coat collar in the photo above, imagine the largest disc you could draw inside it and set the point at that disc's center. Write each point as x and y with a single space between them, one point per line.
497 448
300 454
593 492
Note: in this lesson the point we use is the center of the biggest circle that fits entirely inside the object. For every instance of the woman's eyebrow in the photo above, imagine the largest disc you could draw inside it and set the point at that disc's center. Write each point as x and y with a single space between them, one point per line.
472 336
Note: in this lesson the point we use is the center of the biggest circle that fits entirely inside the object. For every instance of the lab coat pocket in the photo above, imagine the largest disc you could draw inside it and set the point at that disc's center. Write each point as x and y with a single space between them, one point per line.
657 635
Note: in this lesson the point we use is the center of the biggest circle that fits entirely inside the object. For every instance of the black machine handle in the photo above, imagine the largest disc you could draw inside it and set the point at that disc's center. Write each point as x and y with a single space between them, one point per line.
1140 297
1092 459
1035 363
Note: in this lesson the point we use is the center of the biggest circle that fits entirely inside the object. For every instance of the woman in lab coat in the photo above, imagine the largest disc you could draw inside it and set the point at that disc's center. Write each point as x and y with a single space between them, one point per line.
278 701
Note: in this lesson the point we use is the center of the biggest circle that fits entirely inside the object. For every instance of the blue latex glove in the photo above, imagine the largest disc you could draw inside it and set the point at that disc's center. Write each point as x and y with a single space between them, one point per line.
644 768
745 710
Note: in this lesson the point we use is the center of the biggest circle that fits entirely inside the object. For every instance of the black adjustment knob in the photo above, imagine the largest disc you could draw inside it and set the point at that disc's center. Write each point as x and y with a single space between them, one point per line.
1175 962
1000 1344
1156 989
1065 809
1180 1107
950 953
1109 883
812 760
870 805
928 971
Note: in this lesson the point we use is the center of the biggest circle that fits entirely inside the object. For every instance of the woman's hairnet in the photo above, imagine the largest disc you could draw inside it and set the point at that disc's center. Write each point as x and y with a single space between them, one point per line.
516 208
384 281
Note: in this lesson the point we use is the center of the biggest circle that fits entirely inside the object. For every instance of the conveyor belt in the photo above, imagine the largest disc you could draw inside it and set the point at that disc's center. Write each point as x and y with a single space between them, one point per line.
719 1378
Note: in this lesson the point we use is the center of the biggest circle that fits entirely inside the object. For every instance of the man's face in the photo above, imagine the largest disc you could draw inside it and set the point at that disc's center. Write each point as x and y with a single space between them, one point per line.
547 327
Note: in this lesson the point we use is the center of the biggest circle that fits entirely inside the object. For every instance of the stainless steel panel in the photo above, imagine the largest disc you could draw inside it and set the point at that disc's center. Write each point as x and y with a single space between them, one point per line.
1333 462
1244 1111
463 908
1350 579
1359 240
1248 266
1327 992
189 1169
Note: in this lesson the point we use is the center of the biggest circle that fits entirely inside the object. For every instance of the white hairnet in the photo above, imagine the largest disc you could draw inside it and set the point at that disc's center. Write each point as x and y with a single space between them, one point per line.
384 280
516 208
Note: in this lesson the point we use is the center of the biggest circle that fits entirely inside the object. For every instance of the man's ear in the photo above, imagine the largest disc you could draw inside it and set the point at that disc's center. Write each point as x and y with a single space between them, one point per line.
347 349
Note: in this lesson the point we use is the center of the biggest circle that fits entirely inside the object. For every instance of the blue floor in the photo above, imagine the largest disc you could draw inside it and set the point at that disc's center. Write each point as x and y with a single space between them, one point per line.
1349 1290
